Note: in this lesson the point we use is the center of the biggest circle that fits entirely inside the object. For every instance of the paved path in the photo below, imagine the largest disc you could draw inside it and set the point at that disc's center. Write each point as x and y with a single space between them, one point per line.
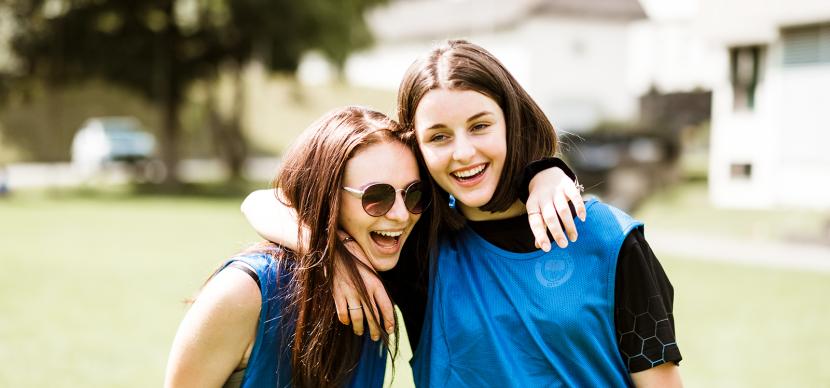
775 254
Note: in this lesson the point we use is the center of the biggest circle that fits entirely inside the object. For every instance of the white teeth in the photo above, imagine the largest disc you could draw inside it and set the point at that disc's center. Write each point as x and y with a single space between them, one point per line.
470 172
388 234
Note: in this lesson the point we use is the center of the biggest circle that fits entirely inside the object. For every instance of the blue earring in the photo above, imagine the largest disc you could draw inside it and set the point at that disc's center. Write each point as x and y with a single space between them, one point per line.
452 202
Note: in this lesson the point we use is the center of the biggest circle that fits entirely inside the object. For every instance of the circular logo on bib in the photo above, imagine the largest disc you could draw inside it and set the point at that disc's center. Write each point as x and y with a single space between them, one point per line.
553 272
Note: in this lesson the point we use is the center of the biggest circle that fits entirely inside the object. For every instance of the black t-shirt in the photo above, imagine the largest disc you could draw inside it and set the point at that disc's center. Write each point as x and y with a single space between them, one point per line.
643 295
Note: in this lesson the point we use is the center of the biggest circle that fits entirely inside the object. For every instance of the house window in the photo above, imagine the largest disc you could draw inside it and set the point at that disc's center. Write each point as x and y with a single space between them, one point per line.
806 45
745 67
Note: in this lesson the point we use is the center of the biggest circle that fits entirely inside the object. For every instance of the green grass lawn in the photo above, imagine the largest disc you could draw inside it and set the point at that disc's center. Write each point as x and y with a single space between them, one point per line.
92 286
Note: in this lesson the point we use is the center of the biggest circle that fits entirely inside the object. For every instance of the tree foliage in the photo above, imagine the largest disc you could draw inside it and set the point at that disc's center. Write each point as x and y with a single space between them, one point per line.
159 48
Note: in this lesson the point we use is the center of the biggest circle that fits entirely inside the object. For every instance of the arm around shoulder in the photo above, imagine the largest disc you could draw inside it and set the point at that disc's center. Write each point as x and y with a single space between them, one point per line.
270 218
217 333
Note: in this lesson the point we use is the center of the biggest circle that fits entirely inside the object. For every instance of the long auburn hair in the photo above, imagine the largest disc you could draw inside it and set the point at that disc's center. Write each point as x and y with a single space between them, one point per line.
324 351
461 65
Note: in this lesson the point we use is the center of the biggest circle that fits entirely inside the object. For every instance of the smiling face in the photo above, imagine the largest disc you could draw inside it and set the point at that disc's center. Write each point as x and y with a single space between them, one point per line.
381 238
462 136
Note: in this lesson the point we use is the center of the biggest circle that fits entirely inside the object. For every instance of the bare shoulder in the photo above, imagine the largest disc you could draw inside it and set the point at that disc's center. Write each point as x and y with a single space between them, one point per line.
233 290
217 333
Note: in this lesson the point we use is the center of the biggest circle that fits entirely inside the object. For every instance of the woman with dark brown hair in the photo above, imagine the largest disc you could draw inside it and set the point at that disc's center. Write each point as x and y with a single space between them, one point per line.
265 318
500 311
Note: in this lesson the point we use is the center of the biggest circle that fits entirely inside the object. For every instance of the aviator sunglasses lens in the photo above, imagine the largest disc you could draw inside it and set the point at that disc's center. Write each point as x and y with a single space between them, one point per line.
414 198
378 199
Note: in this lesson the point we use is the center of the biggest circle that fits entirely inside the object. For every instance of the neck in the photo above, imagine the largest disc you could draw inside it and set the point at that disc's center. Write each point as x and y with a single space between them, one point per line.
476 214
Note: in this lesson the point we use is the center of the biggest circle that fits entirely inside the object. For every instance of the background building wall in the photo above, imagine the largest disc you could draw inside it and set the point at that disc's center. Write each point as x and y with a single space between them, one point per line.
785 137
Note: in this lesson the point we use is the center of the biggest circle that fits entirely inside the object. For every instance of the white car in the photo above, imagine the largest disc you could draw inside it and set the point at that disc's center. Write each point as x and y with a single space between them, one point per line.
109 140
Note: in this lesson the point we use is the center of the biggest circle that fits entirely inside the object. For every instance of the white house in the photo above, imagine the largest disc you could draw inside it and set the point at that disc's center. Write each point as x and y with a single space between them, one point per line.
573 56
770 141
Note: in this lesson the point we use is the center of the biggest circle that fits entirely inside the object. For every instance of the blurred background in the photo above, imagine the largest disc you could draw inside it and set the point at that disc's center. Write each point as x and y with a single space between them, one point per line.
130 132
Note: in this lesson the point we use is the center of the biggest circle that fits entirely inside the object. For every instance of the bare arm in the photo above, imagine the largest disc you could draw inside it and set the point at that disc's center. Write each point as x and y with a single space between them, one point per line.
664 375
270 218
217 333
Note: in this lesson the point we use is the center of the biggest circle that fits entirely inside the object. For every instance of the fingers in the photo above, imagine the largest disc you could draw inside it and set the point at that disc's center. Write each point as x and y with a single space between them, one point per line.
554 214
551 218
342 308
348 305
351 310
540 233
356 316
576 199
374 320
370 312
387 311
564 212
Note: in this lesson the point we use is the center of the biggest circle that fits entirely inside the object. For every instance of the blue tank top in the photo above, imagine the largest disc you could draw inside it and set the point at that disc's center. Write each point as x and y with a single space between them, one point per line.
502 319
270 362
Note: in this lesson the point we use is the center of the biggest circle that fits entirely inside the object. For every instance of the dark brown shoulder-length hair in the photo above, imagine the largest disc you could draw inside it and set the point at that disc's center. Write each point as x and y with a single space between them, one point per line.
461 65
324 351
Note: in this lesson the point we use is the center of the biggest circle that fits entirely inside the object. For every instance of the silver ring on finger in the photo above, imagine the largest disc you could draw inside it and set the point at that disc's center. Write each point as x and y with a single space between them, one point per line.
356 308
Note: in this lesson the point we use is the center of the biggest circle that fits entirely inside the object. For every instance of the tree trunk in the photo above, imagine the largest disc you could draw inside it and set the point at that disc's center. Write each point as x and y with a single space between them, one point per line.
237 148
170 92
228 138
170 142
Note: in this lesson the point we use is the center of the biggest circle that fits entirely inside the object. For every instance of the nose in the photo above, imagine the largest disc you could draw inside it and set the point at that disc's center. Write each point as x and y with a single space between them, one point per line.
463 149
398 211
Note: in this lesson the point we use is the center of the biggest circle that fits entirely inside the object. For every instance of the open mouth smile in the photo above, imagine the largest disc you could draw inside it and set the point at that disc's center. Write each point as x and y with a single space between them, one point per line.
386 240
470 175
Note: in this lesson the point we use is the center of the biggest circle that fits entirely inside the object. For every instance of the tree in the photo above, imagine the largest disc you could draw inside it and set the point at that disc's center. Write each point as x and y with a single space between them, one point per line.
159 48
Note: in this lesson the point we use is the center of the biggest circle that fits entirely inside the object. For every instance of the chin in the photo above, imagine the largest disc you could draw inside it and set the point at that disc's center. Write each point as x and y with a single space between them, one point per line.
473 201
477 198
385 264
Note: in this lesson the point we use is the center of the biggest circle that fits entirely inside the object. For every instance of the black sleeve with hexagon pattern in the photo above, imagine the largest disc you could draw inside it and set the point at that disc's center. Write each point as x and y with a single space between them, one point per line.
643 300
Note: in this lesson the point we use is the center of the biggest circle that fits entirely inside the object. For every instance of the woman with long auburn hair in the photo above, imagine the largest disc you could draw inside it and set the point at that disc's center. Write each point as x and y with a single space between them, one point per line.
266 318
499 311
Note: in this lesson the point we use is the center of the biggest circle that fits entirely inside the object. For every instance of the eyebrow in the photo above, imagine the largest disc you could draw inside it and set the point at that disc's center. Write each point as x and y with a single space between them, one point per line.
473 117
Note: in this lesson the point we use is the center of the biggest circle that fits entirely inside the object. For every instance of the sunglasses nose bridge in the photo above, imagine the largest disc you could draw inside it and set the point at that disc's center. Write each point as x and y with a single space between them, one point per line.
398 210
402 193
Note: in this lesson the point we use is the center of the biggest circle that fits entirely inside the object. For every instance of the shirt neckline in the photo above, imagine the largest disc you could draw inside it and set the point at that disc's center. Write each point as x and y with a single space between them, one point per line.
482 242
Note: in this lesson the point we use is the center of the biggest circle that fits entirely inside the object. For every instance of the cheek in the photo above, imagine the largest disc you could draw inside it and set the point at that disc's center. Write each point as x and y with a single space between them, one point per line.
352 217
501 150
498 146
434 159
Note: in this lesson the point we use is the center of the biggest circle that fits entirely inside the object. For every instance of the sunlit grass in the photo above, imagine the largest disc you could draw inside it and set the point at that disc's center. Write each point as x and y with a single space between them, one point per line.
92 288
739 326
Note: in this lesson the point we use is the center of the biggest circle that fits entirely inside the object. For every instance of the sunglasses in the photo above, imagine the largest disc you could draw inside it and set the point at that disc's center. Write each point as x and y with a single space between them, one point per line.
378 198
